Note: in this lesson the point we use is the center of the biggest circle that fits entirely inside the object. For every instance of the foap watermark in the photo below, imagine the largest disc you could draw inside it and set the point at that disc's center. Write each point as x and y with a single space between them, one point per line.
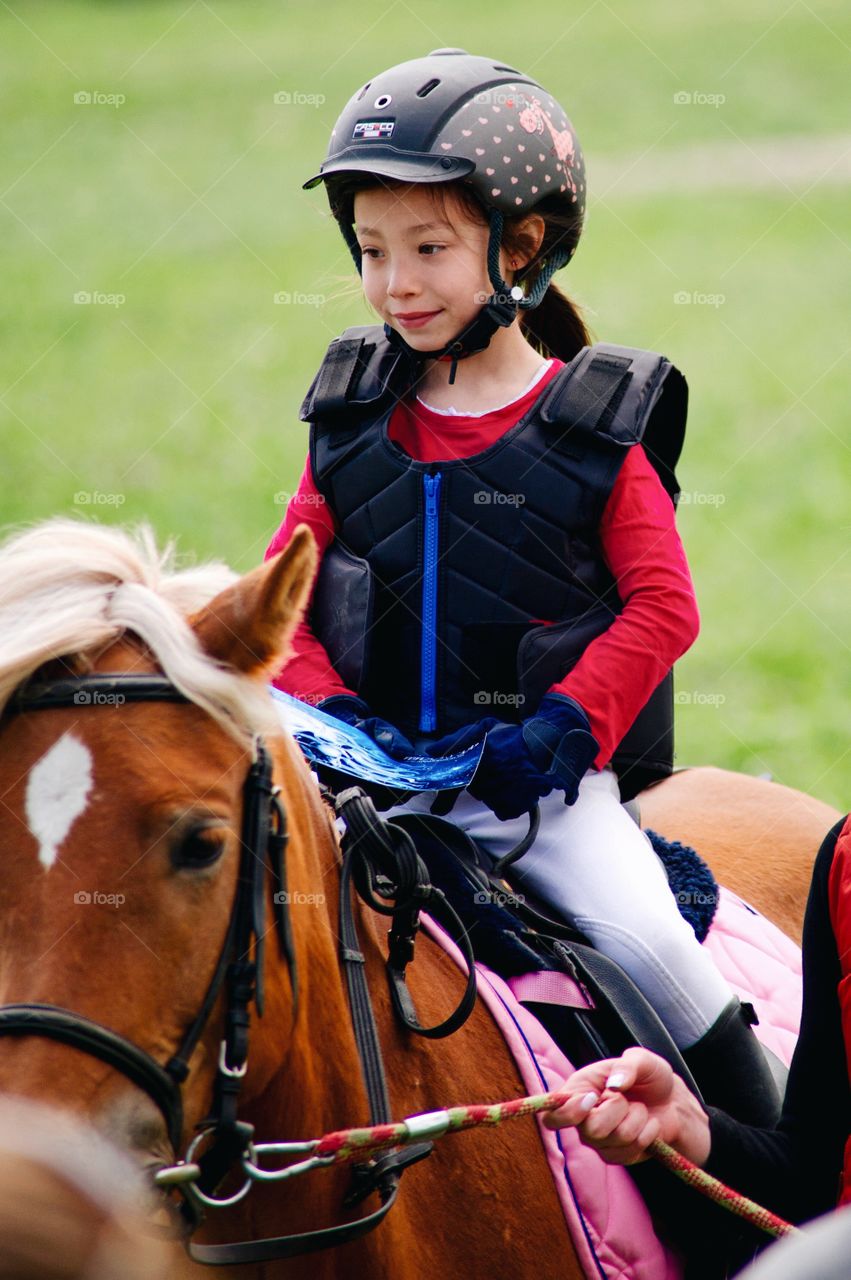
85 298
91 698
515 294
97 98
95 498
286 899
497 898
496 698
694 298
499 98
695 898
312 700
298 98
696 498
493 497
697 98
283 498
697 698
94 898
283 298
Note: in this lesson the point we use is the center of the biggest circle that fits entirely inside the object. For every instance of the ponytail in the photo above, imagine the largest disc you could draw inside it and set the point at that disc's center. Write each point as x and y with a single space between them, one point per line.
555 327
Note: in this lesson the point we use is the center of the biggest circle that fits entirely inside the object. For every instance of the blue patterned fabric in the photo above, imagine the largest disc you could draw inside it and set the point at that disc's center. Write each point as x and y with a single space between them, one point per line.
325 740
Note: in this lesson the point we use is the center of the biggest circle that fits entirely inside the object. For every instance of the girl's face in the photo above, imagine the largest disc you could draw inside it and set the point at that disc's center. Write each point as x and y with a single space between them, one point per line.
425 278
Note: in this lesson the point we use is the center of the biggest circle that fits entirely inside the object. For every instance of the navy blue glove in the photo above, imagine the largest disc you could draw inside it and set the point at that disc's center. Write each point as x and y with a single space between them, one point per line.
523 762
559 739
462 738
507 780
354 711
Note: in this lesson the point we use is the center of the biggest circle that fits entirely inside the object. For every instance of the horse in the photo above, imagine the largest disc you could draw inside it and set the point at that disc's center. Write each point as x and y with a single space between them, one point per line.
121 852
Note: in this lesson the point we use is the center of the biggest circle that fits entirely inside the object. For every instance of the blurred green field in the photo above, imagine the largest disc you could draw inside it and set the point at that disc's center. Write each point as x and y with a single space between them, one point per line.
174 397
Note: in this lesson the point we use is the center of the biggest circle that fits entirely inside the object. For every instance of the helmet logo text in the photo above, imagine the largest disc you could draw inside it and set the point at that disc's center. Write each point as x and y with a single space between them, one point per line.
369 129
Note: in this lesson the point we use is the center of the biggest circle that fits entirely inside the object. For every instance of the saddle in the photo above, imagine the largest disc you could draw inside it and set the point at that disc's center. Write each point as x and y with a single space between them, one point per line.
513 937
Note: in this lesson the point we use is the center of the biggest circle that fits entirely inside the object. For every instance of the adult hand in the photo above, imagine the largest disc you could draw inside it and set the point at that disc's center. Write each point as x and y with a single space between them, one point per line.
619 1106
354 711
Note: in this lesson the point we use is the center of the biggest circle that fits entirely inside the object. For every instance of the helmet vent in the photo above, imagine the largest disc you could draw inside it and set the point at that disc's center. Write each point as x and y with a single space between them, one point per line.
427 88
363 91
513 70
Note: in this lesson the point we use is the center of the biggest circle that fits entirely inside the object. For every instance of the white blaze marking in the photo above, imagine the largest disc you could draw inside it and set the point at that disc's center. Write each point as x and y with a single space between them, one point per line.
57 791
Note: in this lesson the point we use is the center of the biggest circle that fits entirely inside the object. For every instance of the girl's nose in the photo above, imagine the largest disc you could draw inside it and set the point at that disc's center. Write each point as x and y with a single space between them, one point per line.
403 281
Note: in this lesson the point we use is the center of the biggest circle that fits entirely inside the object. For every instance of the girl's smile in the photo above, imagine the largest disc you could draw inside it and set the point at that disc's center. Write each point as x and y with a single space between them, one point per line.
414 319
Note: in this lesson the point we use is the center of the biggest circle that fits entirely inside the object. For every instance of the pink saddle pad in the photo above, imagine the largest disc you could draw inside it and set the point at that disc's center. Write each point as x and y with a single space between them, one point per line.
608 1222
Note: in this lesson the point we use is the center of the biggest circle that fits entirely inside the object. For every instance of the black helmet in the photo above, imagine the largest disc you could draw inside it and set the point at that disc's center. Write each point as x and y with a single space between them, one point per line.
453 115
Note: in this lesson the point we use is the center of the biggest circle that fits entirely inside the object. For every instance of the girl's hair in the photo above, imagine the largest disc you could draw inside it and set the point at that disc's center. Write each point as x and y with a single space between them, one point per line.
556 326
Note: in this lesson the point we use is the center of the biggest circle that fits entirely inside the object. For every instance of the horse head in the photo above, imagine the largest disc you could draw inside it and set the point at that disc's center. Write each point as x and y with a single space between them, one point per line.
123 844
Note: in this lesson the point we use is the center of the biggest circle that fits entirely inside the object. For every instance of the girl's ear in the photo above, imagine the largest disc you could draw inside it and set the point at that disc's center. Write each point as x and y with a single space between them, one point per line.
249 625
529 231
532 231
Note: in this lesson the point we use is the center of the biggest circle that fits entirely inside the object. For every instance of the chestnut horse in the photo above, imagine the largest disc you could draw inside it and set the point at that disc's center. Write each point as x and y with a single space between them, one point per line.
120 854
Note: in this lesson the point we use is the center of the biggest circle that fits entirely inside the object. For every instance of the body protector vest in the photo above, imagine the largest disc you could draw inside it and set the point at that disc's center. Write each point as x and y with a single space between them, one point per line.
466 588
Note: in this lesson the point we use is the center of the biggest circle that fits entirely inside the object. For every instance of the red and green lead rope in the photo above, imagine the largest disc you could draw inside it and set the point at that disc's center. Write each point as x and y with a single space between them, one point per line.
349 1145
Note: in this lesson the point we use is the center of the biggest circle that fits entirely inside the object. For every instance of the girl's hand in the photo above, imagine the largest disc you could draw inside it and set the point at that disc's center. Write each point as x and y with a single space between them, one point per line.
620 1105
354 711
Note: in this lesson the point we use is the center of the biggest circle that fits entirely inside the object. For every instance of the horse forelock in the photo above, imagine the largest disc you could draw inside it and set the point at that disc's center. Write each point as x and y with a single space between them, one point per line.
70 589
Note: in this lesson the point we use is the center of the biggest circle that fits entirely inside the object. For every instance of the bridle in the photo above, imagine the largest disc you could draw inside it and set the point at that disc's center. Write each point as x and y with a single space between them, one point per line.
395 871
239 968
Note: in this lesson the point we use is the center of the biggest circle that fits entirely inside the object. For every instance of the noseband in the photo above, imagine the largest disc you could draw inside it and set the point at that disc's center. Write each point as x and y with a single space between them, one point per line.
263 842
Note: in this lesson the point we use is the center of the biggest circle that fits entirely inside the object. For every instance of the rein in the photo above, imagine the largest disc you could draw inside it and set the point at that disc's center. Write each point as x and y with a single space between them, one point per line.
347 1145
397 873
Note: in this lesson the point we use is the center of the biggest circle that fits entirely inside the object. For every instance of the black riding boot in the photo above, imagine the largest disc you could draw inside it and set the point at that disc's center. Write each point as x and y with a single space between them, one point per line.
731 1069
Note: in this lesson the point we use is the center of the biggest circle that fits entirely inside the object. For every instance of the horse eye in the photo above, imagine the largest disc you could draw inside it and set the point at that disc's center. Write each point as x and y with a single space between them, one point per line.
199 847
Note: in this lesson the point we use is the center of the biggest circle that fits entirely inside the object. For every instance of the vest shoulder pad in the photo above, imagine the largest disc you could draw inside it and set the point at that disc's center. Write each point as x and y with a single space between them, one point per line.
359 371
620 396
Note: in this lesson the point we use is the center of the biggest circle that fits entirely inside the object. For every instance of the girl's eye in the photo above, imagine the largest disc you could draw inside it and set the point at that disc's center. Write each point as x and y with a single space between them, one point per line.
428 250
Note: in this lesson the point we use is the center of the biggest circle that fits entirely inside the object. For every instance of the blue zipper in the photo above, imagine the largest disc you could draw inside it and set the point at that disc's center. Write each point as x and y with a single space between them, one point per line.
428 643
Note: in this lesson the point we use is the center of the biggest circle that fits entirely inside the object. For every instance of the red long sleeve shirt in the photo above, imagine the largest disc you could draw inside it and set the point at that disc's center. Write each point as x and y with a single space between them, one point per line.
620 668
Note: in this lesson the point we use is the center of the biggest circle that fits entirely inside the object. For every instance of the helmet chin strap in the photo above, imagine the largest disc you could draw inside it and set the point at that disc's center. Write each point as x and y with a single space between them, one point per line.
498 311
475 337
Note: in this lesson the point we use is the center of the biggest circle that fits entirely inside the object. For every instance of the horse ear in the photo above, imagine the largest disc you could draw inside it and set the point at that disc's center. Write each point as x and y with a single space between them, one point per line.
249 625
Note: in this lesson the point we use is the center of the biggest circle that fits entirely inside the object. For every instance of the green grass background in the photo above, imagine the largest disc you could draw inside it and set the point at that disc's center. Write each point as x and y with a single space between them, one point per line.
186 199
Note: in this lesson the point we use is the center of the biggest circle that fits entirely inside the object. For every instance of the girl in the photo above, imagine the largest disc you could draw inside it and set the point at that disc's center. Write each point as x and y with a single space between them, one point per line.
493 533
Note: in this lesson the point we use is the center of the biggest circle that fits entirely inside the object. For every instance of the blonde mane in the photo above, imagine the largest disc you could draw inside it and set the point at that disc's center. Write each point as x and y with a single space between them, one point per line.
70 589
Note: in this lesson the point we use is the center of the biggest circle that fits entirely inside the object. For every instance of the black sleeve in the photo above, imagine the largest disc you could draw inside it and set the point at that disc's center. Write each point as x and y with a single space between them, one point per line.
795 1169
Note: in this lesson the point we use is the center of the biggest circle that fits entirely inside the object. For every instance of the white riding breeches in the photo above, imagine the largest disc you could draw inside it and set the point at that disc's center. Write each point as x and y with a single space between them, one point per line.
593 866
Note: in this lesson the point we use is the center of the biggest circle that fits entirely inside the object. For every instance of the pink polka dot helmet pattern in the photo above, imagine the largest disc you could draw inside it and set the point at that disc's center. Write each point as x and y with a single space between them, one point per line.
453 115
